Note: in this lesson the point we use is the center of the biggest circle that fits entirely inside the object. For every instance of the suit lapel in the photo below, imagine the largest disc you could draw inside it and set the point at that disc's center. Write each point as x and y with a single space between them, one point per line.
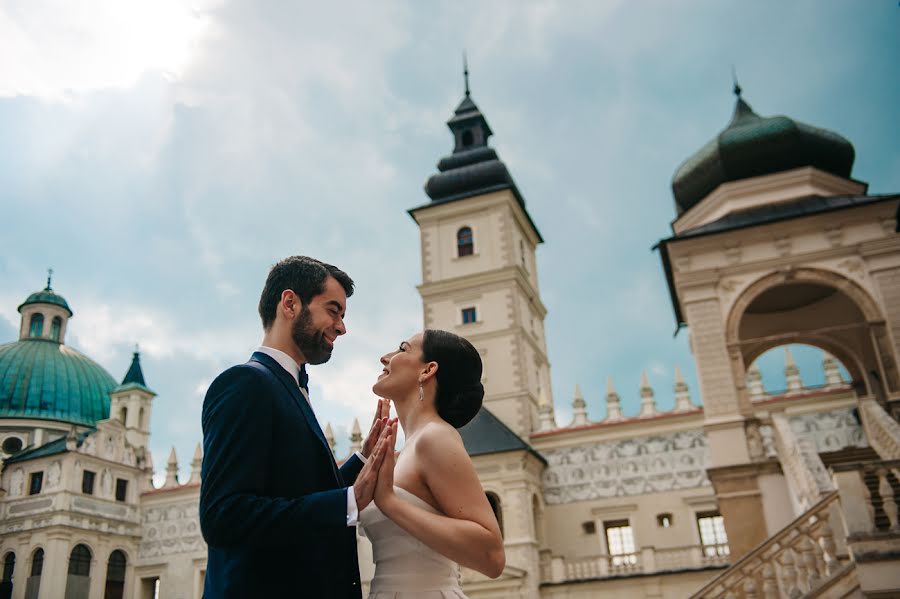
294 391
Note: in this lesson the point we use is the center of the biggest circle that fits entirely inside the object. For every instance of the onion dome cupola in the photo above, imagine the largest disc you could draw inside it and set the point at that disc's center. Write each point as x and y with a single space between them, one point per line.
751 146
42 378
473 168
45 315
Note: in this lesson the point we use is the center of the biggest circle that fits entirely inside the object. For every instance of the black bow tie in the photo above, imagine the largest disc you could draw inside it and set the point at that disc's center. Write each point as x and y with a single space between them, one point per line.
303 379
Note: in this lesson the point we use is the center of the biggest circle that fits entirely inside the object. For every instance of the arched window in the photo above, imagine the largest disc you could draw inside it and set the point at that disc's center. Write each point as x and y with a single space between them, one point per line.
123 415
115 576
37 326
78 582
37 562
465 242
141 419
55 327
33 584
494 500
467 138
6 584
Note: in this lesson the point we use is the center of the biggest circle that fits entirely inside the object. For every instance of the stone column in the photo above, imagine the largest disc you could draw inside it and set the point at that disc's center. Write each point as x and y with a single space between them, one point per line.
56 566
741 506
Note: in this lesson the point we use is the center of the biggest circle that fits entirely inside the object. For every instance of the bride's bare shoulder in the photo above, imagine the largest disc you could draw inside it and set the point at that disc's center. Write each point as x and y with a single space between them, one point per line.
439 436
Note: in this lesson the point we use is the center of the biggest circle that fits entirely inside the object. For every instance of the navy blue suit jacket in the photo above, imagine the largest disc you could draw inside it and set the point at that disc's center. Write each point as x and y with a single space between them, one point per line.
273 503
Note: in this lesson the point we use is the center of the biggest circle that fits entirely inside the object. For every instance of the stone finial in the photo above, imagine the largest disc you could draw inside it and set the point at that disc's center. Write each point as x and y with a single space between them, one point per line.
329 436
71 440
196 466
579 408
755 384
832 371
355 437
648 404
791 372
546 418
682 394
613 403
171 471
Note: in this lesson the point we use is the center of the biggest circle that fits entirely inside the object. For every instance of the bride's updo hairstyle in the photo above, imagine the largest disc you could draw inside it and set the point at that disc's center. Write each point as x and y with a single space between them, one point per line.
459 390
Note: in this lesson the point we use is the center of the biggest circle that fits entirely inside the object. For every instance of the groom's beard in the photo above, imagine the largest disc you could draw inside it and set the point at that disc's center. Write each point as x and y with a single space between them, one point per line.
311 342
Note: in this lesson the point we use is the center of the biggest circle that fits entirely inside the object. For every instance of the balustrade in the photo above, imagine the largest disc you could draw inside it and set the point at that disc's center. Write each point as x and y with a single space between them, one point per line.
647 560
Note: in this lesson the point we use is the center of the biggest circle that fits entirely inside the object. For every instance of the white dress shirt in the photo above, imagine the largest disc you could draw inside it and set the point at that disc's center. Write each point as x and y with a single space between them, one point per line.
293 369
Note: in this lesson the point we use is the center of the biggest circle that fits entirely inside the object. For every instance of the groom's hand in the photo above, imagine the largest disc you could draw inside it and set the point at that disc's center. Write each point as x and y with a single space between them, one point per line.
382 411
364 487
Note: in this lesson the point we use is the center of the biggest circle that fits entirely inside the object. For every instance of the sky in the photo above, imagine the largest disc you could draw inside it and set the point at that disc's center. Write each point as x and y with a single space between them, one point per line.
161 155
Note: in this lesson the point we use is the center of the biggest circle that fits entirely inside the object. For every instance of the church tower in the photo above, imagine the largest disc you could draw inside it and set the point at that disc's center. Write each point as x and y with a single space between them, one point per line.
131 403
479 275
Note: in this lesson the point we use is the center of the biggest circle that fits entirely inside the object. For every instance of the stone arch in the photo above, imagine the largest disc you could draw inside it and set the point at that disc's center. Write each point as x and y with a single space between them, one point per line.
789 306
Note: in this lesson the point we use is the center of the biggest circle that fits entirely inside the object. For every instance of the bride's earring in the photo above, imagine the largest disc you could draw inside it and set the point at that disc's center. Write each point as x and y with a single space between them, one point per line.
421 392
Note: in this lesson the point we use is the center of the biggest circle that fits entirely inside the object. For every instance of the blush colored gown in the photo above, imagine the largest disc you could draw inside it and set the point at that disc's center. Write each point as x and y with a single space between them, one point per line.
406 568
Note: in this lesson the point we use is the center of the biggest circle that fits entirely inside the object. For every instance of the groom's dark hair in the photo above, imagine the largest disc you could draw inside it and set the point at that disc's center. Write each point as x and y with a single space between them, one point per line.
305 276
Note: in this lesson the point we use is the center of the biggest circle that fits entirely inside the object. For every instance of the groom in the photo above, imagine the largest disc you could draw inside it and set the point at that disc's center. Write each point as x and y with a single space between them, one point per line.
276 511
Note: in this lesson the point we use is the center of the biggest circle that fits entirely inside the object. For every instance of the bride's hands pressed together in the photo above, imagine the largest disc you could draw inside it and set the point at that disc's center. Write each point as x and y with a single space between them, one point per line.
384 488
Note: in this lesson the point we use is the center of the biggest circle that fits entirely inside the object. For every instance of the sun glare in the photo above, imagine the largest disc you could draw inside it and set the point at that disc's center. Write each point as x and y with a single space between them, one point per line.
71 46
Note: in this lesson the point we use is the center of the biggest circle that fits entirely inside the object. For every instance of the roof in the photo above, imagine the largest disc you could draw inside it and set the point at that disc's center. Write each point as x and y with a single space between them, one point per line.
763 215
51 448
473 168
47 380
486 435
46 296
750 146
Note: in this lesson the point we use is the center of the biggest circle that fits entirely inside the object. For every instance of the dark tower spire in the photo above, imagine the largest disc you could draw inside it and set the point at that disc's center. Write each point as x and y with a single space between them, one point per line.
49 276
466 72
135 374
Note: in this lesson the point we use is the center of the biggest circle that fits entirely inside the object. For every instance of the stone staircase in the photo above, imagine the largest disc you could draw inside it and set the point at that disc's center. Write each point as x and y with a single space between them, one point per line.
858 455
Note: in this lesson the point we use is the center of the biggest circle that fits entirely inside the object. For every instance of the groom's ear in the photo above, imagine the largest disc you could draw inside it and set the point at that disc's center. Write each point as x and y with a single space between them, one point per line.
289 304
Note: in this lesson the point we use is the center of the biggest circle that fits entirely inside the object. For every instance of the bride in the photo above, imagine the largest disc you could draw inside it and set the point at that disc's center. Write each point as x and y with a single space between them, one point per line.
430 512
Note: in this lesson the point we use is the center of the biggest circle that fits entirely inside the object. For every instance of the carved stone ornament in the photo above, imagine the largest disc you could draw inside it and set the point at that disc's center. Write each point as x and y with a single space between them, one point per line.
54 473
628 467
829 431
17 480
171 529
851 266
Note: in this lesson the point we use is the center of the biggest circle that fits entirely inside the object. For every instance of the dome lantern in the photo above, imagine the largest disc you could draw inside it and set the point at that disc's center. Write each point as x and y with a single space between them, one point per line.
45 315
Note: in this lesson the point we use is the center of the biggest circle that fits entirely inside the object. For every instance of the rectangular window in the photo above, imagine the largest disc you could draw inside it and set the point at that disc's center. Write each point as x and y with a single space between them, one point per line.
121 489
712 534
35 483
468 315
620 542
87 482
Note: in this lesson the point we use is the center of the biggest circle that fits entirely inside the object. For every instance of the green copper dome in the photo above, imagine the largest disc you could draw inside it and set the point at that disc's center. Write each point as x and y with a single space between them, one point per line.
751 146
46 296
47 380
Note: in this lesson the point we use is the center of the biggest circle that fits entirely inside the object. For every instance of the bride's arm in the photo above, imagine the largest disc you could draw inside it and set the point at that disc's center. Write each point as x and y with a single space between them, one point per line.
469 534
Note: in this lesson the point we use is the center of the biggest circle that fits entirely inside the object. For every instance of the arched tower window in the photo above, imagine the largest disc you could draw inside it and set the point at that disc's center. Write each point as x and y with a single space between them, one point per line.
9 566
36 328
55 327
37 562
494 500
33 585
123 415
115 575
78 582
465 242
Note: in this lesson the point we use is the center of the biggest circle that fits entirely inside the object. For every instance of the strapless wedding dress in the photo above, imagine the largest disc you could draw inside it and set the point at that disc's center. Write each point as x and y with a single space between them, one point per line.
406 568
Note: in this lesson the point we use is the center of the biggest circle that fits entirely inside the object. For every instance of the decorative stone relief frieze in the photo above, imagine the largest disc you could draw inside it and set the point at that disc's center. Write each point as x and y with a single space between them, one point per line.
628 467
171 529
829 431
